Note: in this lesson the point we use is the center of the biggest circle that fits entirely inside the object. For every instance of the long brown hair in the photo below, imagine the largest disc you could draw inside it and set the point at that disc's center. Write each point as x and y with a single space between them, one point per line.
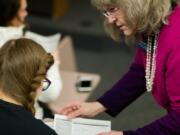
23 66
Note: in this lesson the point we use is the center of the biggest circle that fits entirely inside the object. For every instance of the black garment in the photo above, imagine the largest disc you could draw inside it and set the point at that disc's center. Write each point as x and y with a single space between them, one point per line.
47 113
16 120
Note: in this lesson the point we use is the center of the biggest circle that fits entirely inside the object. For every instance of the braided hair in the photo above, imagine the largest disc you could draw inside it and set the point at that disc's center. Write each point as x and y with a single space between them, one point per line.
23 66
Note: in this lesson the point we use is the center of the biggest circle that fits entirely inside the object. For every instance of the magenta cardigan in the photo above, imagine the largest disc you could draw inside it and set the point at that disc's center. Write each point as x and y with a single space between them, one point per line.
166 88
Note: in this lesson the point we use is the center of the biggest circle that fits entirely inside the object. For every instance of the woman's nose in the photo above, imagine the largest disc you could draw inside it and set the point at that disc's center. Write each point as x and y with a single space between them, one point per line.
111 19
26 13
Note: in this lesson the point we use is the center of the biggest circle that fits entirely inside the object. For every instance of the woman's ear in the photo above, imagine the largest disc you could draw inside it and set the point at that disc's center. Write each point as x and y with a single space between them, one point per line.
39 91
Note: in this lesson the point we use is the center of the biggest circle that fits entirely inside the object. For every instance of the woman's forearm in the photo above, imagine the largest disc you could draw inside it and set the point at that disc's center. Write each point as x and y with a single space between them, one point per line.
125 91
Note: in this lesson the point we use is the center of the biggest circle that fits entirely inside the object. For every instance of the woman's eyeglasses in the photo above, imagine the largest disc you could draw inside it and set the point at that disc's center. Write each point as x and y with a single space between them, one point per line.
46 83
110 12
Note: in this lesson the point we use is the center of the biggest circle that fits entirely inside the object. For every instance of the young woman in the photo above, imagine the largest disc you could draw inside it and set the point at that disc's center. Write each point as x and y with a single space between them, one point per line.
23 68
154 25
13 14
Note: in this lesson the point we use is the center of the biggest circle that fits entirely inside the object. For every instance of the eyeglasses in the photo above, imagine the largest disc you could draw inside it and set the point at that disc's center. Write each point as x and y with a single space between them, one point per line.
110 12
46 83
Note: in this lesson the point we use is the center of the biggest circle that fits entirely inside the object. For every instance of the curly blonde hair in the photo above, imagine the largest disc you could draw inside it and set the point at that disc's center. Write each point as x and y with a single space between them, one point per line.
141 15
23 66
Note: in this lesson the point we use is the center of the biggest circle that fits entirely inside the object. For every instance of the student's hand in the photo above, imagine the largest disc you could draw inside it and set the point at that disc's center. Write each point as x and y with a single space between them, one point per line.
82 109
112 133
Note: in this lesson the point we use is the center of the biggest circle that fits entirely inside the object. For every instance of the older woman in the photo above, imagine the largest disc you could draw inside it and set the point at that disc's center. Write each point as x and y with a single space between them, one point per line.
154 25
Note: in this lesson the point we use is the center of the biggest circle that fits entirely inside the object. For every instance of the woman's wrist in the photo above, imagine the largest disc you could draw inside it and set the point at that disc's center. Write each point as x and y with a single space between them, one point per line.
100 107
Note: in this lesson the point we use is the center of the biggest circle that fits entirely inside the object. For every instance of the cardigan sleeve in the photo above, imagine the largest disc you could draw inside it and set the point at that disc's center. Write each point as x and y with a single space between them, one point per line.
173 76
170 123
127 89
167 125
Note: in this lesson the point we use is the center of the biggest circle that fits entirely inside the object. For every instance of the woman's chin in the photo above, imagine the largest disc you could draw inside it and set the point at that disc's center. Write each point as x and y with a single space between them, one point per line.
127 32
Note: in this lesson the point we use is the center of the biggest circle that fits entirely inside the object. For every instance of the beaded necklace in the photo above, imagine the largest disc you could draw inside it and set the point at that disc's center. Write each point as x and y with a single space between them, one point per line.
151 61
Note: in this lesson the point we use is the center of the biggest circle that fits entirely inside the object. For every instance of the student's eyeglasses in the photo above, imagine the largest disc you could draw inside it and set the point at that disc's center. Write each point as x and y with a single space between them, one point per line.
46 83
110 12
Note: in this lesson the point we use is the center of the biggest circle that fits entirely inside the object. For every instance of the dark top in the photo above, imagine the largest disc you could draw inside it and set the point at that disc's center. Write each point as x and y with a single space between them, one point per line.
16 120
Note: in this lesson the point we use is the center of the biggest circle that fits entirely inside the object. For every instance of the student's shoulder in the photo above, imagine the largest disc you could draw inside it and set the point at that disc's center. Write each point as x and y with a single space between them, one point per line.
36 126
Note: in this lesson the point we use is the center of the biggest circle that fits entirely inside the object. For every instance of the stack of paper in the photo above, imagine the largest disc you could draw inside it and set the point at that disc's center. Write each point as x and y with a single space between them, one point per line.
79 126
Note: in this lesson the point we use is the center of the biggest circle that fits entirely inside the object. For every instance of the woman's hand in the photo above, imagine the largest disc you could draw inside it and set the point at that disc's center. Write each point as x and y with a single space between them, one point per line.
82 109
112 133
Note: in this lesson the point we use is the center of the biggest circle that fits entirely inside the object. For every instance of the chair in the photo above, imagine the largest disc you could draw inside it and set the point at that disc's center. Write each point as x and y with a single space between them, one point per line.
70 76
67 55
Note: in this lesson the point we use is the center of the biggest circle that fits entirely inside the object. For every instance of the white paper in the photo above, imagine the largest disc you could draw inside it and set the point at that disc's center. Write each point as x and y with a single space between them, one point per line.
50 124
62 125
80 126
49 43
